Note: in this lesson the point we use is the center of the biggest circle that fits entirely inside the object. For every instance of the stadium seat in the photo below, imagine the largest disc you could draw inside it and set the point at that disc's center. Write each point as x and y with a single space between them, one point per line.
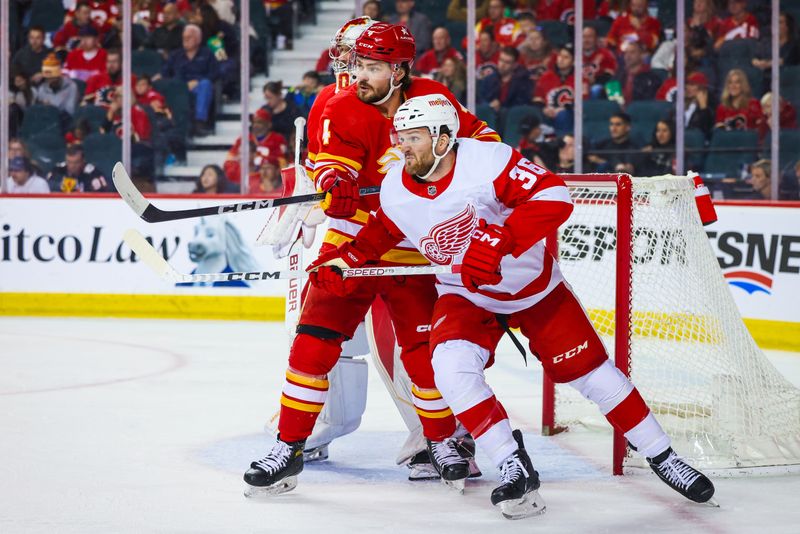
649 111
602 25
599 110
694 142
39 118
790 85
788 143
177 95
642 131
741 146
486 113
739 50
435 10
96 115
556 32
103 151
595 131
49 14
755 76
47 149
514 117
458 31
146 62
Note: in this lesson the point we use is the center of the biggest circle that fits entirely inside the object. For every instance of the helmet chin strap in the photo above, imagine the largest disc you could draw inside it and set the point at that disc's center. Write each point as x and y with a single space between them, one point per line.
436 159
392 89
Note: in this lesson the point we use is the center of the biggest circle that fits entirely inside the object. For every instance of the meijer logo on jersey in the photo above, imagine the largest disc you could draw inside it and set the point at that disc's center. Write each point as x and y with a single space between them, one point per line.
571 352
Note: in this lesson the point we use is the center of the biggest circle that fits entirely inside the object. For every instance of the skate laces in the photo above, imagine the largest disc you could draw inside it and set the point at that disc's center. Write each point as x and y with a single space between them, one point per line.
511 470
277 458
445 452
678 472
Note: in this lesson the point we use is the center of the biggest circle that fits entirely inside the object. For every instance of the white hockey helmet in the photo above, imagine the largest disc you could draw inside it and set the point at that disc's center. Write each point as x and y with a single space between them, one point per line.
432 112
345 40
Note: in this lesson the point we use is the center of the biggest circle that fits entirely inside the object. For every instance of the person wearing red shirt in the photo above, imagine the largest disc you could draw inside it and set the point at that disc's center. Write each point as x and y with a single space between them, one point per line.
486 53
738 110
67 35
99 87
431 61
268 144
635 25
703 17
536 54
787 116
599 63
506 30
88 59
555 90
740 25
102 13
142 129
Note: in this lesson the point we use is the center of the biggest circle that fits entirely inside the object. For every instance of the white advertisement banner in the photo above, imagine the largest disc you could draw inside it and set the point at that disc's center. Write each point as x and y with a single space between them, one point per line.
74 245
758 249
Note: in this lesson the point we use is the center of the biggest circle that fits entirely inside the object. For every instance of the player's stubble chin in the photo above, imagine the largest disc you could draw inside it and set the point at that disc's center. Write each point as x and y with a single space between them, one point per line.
367 94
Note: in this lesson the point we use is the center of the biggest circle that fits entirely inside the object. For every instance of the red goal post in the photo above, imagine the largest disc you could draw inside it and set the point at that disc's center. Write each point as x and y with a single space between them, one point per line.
636 254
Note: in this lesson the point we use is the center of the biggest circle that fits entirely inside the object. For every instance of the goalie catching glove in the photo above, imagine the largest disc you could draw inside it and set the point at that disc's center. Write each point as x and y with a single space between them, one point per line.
481 263
341 200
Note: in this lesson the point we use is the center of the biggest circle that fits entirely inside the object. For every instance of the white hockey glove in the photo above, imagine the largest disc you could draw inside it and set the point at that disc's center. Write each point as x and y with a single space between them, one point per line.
285 223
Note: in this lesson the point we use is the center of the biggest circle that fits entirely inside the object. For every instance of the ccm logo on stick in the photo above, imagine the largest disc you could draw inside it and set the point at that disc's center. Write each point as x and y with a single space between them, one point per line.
252 276
571 352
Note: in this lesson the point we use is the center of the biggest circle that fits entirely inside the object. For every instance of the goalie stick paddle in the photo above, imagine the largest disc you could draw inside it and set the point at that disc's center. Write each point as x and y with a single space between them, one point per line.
150 256
150 213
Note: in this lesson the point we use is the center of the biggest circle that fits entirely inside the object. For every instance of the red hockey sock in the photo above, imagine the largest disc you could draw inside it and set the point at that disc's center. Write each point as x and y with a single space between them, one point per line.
436 417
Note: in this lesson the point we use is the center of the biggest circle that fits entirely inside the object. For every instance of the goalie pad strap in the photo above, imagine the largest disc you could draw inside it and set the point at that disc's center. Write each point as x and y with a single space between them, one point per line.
319 332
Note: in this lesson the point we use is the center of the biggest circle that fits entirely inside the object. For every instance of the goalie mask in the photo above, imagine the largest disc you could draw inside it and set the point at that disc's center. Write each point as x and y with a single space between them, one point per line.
434 112
344 41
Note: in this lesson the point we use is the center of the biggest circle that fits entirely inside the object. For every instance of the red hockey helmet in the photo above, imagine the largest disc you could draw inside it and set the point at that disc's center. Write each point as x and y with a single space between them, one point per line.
392 43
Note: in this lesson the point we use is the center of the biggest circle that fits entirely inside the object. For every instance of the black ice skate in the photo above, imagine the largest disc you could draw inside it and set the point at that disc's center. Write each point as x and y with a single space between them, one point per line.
682 477
445 457
277 472
516 496
466 448
421 467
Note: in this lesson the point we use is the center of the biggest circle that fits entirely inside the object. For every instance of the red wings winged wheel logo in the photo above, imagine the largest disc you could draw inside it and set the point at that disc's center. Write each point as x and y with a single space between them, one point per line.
449 238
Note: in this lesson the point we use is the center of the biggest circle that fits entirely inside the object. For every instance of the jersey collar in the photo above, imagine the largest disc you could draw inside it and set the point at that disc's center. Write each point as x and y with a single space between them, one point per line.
429 190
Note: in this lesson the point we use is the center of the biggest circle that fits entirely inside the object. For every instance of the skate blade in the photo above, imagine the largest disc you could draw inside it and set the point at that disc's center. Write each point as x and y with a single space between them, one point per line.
317 454
456 485
474 470
712 503
422 472
282 486
531 504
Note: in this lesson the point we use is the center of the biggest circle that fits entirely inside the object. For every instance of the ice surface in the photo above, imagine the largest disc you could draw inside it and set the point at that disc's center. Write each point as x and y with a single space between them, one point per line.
147 426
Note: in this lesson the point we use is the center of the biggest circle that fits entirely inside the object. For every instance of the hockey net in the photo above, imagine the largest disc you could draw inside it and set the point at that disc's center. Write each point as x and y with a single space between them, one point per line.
635 252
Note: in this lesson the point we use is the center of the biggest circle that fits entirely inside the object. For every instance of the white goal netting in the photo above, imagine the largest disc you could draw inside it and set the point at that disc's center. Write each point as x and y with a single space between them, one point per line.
691 356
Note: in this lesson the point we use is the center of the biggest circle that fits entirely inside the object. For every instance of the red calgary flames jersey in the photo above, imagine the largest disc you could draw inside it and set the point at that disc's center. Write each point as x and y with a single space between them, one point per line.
356 139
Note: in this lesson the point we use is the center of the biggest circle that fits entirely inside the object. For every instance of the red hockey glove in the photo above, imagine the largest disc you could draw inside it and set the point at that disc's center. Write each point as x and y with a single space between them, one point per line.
481 263
342 198
326 270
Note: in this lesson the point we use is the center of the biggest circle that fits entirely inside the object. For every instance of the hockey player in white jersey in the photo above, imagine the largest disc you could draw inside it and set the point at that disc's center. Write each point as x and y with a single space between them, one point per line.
485 209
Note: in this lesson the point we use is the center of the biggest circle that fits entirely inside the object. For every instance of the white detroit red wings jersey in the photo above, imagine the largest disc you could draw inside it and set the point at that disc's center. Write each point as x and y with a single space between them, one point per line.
489 181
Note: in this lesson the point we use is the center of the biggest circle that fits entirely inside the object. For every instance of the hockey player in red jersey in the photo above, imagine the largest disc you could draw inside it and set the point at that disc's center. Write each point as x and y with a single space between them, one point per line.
485 209
355 150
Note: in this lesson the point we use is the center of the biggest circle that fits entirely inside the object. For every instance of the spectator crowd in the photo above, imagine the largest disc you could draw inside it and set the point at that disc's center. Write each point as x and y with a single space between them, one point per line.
186 59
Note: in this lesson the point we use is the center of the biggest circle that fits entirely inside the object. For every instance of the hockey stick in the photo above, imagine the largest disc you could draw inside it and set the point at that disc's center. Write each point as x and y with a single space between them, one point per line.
150 256
152 214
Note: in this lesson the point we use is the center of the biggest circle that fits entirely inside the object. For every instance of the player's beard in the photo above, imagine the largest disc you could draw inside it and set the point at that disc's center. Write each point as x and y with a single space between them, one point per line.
417 167
367 93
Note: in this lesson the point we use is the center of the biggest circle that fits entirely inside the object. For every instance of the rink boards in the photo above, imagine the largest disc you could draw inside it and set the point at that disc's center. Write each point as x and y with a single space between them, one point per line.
65 256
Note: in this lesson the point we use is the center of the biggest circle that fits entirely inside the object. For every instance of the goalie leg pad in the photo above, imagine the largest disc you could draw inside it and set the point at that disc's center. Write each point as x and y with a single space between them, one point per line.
345 404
